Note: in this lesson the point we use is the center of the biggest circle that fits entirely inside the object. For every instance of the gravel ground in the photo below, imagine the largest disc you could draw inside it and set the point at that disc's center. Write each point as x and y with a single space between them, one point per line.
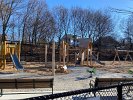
78 78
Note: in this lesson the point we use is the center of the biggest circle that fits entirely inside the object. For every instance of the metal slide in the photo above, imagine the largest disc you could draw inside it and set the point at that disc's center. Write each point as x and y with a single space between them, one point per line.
16 62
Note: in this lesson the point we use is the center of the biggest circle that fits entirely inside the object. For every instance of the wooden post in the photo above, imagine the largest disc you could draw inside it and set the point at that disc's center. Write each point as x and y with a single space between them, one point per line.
12 50
64 53
67 54
90 51
46 54
60 53
88 55
116 55
91 57
127 54
4 55
53 58
98 56
76 57
19 50
82 59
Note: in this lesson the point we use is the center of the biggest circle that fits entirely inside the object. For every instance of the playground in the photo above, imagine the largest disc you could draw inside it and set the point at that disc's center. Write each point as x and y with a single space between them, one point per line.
48 59
69 67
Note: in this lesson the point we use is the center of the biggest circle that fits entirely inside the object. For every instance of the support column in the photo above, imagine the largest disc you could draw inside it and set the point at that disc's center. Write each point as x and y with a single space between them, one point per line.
91 57
64 53
19 50
88 55
53 58
67 54
4 55
82 59
46 49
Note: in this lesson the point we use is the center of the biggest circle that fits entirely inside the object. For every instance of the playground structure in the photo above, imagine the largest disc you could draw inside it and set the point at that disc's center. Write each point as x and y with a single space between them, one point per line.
84 53
127 52
10 48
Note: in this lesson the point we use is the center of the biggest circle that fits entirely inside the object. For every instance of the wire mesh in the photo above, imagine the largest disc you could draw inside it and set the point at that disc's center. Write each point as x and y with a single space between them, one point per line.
101 93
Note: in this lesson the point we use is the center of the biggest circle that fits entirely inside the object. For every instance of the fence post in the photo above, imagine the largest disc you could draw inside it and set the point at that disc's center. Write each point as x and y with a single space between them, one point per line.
119 92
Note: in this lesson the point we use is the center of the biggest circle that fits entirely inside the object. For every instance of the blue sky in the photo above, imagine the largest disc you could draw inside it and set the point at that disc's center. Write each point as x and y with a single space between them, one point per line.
94 4
98 4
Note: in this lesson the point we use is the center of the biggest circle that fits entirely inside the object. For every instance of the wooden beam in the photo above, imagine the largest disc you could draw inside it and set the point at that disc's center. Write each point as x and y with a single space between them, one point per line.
4 55
82 58
53 58
46 54
64 53
19 50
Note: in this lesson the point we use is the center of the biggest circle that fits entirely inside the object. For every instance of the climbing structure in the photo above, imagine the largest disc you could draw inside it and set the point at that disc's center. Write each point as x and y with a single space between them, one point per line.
9 48
86 52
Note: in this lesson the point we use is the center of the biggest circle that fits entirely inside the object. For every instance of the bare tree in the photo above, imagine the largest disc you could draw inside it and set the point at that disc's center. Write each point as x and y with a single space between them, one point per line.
126 28
61 16
7 9
47 28
33 21
82 22
74 22
103 25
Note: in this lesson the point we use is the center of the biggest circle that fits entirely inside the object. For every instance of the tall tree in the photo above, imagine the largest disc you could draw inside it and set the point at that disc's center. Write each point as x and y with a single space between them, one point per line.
74 22
34 21
103 25
61 16
7 9
127 28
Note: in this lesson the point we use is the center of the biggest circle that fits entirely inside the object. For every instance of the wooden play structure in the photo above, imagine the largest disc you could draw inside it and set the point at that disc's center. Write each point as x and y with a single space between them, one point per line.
80 54
9 48
127 52
53 56
63 52
86 52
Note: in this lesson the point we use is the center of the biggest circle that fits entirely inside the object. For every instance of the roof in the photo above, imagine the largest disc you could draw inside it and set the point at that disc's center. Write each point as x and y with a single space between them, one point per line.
83 42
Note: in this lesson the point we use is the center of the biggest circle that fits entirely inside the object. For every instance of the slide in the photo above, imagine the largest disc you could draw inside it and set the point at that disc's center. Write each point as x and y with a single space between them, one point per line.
16 62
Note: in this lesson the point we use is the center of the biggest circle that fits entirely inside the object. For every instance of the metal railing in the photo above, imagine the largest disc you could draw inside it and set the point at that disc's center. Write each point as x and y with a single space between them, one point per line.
122 91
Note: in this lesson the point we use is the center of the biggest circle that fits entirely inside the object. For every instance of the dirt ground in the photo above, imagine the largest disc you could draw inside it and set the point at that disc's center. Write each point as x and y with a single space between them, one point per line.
117 67
77 78
41 69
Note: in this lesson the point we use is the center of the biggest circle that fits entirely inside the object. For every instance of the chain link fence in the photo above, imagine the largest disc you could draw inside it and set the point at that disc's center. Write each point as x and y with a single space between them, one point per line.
123 91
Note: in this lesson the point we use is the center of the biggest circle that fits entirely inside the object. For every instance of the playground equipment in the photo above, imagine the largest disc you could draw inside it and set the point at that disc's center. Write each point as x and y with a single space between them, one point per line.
87 53
63 52
53 56
10 48
123 51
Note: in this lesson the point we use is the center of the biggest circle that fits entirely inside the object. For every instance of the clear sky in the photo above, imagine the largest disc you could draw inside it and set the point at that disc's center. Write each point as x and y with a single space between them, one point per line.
97 4
94 4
